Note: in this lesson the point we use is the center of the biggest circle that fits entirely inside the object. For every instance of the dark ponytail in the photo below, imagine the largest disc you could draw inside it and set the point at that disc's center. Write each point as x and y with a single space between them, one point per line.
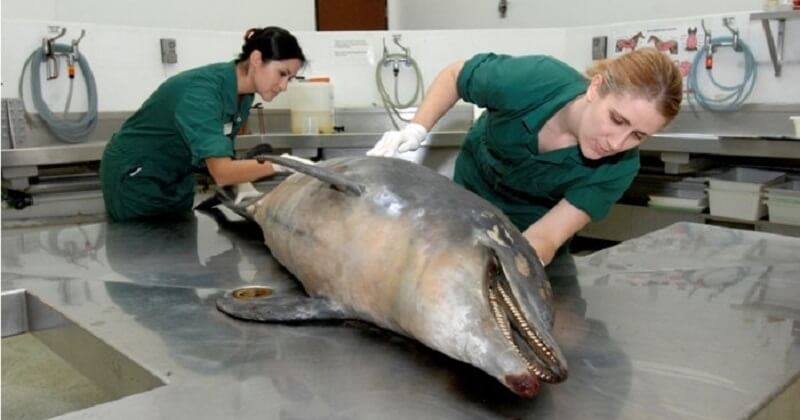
273 42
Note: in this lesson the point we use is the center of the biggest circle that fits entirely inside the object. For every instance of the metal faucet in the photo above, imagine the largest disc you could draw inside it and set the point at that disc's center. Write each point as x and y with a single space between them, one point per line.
710 47
50 55
728 21
75 43
396 59
73 55
502 8
707 46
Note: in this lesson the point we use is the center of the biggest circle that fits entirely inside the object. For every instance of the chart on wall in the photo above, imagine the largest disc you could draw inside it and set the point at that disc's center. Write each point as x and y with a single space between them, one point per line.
680 40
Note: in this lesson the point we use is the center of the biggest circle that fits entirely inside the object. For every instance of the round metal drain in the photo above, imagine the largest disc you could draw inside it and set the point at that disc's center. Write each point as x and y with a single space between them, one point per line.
252 292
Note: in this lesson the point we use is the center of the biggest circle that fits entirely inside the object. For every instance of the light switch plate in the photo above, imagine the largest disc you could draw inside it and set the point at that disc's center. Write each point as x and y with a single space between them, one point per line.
599 47
169 52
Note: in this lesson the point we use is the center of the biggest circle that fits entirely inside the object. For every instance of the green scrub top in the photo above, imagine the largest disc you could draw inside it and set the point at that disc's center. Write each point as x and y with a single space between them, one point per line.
147 166
500 159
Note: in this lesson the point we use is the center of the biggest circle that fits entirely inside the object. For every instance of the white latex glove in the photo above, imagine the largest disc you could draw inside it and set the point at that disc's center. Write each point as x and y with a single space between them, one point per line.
282 169
245 190
392 143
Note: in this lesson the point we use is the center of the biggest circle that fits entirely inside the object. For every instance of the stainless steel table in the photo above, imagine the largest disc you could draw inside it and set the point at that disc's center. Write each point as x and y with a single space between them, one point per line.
691 321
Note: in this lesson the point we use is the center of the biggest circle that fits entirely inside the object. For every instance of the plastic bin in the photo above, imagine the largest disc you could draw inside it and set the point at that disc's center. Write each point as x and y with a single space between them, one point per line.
745 179
787 189
742 205
786 211
738 193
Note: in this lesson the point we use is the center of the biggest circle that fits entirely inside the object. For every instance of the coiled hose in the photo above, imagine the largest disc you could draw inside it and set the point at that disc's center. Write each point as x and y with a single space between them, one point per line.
64 130
393 105
735 95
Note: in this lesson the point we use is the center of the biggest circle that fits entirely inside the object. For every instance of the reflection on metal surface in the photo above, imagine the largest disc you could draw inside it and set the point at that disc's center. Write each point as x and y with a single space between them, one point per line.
691 321
252 292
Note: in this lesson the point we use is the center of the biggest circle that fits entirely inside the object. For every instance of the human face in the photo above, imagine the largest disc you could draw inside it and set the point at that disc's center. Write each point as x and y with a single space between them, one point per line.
615 123
271 78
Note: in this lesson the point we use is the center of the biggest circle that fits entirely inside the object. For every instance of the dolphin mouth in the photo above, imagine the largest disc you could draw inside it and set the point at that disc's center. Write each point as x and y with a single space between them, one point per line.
524 338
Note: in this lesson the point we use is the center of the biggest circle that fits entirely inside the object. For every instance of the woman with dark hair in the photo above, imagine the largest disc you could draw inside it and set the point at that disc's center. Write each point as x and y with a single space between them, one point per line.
190 123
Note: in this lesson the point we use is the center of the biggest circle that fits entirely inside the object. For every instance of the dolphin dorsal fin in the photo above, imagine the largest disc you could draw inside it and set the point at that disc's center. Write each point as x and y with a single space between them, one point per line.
337 181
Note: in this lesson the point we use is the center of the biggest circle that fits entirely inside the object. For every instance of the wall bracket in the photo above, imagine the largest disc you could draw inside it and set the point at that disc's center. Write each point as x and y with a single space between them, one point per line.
775 44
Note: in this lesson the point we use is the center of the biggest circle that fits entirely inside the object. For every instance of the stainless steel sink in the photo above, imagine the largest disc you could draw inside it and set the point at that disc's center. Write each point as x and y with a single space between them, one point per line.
54 366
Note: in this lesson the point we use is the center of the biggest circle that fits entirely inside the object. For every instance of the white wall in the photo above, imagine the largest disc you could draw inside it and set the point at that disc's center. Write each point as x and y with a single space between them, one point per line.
728 65
126 61
477 14
179 14
127 66
403 14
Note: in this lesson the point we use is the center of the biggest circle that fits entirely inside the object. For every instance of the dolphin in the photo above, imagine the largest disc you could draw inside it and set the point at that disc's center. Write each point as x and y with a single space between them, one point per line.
400 246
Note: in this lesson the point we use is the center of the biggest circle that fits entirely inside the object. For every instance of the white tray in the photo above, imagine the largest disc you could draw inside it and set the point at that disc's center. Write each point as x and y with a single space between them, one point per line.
745 179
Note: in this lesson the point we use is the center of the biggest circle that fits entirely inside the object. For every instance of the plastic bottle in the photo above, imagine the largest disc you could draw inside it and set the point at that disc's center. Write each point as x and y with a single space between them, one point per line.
770 5
311 106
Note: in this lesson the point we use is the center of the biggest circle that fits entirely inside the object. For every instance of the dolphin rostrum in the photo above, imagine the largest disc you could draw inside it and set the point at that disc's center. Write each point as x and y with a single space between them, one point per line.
398 245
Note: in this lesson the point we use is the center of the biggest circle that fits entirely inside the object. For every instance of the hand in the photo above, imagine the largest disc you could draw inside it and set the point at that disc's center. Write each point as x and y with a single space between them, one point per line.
245 190
282 169
408 139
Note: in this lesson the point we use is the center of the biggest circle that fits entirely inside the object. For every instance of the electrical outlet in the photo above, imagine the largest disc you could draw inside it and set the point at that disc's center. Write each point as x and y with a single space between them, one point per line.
599 50
169 52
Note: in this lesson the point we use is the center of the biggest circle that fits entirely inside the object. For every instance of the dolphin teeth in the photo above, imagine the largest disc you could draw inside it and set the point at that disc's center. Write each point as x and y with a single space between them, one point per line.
531 333
524 328
505 329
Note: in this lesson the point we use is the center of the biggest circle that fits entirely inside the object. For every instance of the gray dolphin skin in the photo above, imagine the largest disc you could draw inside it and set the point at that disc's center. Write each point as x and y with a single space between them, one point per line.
400 246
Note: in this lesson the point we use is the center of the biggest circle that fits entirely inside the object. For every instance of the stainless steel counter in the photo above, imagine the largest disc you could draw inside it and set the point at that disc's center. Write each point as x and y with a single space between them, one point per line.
785 148
761 130
691 321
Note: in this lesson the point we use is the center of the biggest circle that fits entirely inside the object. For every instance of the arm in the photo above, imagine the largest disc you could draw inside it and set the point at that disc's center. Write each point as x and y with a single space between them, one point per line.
227 171
554 228
441 96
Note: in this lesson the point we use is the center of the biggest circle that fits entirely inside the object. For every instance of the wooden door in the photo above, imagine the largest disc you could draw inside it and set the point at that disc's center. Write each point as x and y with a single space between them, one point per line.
351 15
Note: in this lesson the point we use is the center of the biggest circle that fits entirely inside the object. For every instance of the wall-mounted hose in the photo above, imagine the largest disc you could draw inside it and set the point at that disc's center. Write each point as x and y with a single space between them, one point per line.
393 105
65 130
734 95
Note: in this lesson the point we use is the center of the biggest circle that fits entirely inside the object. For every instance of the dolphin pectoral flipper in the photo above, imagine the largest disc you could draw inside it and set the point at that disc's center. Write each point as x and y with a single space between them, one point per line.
208 203
336 180
280 309
226 196
259 149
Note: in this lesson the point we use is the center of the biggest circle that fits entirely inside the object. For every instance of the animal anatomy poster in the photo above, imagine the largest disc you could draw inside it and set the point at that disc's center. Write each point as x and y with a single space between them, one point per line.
681 39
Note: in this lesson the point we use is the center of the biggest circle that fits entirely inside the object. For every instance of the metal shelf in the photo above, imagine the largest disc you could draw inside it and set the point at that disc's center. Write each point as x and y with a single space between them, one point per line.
775 51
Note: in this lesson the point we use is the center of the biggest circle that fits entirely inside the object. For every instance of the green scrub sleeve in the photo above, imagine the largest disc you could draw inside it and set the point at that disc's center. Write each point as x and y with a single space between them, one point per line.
199 120
472 78
502 82
596 199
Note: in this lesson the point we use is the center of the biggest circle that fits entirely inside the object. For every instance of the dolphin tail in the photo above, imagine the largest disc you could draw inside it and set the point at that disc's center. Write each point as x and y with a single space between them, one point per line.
337 181
279 309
